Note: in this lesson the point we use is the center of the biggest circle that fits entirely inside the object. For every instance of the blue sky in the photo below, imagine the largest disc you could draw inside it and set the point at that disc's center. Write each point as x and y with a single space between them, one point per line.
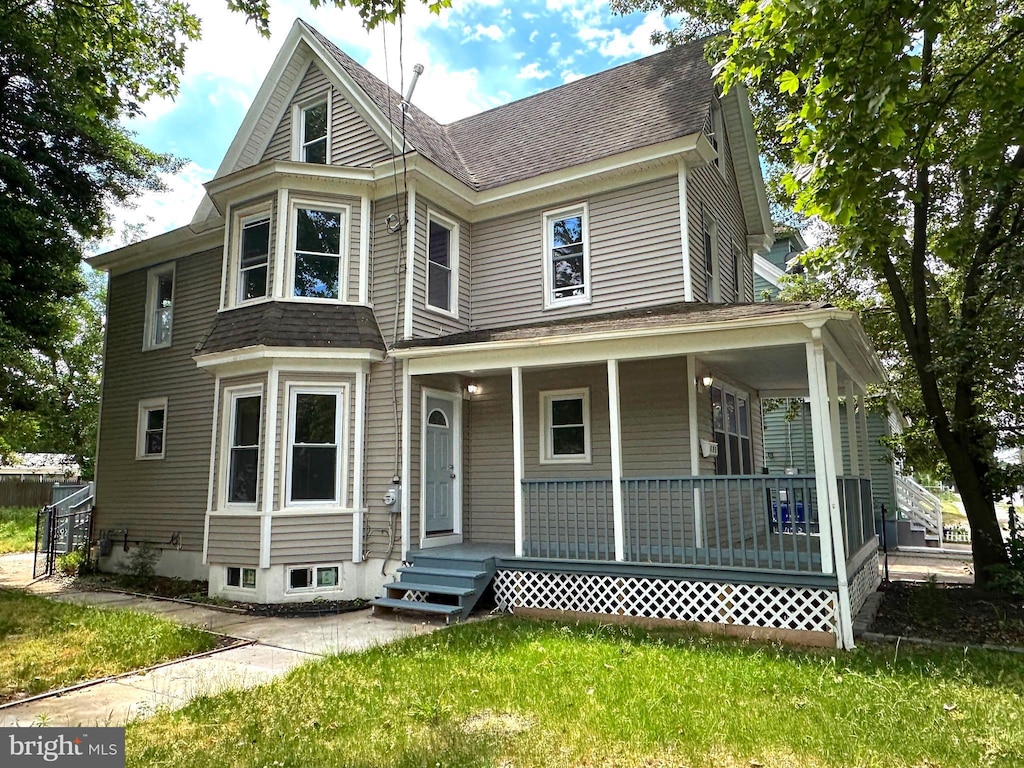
478 54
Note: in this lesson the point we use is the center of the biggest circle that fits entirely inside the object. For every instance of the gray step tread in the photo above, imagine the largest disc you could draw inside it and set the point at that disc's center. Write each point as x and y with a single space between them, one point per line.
421 570
440 589
413 605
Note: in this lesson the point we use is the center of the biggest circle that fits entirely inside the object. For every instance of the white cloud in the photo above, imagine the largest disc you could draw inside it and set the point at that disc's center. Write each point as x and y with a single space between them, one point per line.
492 32
637 43
569 76
533 35
532 72
530 16
555 47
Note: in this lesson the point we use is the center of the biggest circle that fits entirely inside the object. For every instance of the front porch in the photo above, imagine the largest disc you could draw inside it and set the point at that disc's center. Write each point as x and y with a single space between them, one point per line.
621 470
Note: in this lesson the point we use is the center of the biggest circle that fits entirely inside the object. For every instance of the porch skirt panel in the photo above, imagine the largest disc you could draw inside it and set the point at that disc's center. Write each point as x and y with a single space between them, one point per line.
738 604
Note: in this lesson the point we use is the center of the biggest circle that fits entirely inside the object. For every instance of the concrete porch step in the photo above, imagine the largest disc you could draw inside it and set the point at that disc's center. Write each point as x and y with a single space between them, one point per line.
436 589
437 609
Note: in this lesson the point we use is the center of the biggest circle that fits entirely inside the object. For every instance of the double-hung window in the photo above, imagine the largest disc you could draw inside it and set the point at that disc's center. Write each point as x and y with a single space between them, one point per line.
315 445
317 255
731 419
152 425
313 121
442 264
254 257
565 426
244 447
159 307
566 257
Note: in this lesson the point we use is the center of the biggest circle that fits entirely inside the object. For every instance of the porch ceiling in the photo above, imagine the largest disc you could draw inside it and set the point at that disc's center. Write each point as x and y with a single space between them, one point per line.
764 368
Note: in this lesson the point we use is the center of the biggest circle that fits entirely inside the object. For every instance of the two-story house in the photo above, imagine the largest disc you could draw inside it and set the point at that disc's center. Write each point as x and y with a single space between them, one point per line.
519 352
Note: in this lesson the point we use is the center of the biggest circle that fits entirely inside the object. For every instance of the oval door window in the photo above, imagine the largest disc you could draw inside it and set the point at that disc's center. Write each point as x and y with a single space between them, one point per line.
437 418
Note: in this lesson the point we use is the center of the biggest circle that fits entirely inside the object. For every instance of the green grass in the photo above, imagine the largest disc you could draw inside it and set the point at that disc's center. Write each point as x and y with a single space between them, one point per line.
518 693
17 529
48 645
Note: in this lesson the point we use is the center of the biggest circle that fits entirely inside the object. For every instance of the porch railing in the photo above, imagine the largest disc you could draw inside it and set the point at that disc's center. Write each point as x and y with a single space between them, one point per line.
568 519
745 521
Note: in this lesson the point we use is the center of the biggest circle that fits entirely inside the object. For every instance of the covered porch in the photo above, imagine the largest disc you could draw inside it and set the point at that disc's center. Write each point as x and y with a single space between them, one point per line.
629 447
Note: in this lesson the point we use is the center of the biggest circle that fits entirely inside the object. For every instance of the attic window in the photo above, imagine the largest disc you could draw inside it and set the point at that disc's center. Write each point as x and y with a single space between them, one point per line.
314 133
716 132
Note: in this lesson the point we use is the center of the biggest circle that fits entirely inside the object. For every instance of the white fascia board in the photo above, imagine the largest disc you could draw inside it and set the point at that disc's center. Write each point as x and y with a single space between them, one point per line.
767 271
257 358
852 348
174 244
271 84
736 111
268 177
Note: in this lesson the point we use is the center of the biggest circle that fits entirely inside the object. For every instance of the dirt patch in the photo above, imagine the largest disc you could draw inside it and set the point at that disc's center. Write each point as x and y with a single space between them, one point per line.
951 613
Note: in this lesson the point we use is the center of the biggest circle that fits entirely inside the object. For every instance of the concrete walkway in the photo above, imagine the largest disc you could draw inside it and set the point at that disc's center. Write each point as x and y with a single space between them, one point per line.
277 645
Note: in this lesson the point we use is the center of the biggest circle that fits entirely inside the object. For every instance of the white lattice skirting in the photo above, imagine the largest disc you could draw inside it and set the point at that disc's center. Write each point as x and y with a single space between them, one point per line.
864 582
750 605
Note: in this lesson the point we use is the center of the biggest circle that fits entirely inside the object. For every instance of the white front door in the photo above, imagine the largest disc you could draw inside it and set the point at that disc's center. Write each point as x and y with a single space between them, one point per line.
440 470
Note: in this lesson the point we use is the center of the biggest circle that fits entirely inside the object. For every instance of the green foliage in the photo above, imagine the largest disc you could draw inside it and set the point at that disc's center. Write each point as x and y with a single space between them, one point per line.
17 529
512 692
372 12
1010 577
69 563
140 564
70 71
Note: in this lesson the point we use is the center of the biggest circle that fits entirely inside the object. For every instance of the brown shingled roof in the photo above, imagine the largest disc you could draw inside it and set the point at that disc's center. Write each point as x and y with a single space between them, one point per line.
293 324
645 102
663 316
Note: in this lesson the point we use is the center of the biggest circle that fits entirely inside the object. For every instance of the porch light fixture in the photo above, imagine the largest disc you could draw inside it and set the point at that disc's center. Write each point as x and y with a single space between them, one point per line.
472 389
704 382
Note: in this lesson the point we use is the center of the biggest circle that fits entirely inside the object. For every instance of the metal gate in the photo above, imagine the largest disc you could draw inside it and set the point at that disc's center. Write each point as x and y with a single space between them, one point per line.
63 526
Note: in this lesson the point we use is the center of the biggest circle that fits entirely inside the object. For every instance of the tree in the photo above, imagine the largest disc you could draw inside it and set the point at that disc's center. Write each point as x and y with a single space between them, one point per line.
900 124
70 70
372 12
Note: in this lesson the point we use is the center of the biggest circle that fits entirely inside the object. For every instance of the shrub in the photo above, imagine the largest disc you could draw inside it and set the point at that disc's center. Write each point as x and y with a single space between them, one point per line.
141 561
69 563
1010 578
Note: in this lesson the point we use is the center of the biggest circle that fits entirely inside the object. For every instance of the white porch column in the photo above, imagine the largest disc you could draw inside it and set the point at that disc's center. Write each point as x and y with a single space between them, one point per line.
615 424
517 455
267 506
851 429
833 556
832 382
357 470
865 443
406 460
691 408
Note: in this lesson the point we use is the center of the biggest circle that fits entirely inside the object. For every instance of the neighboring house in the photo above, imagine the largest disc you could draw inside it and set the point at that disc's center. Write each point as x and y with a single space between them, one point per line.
44 467
787 429
524 353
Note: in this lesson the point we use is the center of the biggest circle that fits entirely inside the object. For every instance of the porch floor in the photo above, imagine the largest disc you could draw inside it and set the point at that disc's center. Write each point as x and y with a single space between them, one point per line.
469 550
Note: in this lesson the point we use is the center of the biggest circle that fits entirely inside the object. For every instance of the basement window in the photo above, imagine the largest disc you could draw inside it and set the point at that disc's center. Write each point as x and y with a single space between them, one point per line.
313 577
245 578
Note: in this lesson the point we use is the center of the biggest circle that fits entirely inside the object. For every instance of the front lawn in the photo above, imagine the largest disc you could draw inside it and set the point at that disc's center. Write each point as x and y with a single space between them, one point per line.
17 529
516 693
48 645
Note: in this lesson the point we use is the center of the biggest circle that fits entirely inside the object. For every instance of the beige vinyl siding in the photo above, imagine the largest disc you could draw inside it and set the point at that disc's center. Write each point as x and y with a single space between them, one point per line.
293 379
383 432
353 141
234 540
387 276
635 252
427 322
489 495
222 426
655 424
712 194
275 110
298 539
155 499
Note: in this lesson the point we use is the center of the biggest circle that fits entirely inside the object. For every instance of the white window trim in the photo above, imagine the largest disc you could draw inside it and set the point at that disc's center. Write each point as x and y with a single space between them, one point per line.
227 431
343 262
315 567
298 128
145 407
241 578
550 302
453 262
546 454
718 129
152 280
739 394
240 219
341 391
712 287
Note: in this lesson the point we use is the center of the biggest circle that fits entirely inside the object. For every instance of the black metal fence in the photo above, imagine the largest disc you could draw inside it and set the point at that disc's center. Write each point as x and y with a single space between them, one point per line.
62 526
